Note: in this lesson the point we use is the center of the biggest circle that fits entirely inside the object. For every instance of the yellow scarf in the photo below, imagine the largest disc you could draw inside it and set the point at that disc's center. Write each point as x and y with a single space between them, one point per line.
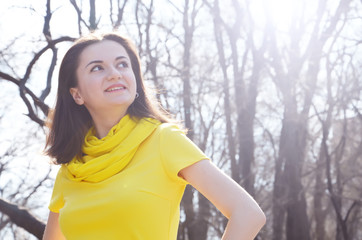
106 157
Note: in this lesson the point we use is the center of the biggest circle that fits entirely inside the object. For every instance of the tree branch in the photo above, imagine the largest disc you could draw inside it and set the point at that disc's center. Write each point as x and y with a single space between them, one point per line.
79 14
50 44
22 218
36 100
39 102
48 87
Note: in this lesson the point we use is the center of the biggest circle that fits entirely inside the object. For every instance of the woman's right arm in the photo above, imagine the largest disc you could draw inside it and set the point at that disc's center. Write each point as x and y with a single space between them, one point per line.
52 229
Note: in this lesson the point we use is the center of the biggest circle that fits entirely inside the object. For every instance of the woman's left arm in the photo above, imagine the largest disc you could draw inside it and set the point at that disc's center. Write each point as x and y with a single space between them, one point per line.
244 214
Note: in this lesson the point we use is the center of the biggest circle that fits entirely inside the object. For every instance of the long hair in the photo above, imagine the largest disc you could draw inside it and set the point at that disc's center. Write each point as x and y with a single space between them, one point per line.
69 122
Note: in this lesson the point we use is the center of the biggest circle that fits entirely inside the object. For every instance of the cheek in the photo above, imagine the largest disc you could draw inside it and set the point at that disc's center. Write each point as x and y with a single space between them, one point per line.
90 83
89 91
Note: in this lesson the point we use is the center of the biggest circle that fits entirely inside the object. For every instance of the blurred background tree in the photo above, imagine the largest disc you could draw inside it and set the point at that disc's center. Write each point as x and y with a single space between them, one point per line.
270 90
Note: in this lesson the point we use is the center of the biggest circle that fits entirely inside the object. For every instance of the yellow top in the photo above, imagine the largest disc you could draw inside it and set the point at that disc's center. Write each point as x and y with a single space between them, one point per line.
139 202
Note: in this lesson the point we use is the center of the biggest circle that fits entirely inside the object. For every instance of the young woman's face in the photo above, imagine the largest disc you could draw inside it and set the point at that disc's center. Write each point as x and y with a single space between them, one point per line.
105 78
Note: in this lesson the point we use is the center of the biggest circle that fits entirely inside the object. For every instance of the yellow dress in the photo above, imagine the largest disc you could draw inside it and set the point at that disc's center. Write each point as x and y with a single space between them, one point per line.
139 202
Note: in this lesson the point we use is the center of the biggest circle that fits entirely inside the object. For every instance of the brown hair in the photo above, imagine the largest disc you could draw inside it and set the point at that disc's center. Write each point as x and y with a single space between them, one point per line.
69 122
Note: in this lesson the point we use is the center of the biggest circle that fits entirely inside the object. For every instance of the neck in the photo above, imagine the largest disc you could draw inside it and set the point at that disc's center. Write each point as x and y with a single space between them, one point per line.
104 122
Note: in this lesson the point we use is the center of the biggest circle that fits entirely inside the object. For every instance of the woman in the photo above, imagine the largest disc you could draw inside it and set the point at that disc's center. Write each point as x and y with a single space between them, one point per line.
124 165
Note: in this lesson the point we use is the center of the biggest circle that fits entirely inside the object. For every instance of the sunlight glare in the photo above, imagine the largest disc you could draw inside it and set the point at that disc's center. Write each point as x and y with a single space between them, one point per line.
279 12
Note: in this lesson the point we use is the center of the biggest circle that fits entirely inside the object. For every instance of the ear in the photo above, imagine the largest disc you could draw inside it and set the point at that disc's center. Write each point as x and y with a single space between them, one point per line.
76 96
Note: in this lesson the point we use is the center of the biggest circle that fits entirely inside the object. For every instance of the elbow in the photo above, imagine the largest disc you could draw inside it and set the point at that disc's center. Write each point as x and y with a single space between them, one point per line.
261 218
258 221
256 218
246 223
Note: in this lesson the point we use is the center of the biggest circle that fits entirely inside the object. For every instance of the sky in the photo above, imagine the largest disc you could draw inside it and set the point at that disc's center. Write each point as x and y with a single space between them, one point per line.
17 21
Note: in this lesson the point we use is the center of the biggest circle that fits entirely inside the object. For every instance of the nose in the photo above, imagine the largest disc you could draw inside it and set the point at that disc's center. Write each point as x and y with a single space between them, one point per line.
114 74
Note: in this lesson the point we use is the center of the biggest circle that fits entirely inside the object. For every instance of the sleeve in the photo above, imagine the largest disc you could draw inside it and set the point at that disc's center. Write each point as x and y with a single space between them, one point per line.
177 151
57 200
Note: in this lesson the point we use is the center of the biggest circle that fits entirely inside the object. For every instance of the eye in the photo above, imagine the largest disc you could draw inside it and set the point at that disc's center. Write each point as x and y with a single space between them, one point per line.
123 65
96 68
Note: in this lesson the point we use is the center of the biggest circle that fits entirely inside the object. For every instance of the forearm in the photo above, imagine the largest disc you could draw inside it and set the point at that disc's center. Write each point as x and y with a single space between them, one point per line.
244 214
52 229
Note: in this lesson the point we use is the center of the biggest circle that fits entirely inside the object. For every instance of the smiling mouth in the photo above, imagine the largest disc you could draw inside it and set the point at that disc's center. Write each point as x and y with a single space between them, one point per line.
115 89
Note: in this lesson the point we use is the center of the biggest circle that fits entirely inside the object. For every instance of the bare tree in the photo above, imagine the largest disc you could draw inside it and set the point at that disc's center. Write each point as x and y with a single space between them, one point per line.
279 111
289 195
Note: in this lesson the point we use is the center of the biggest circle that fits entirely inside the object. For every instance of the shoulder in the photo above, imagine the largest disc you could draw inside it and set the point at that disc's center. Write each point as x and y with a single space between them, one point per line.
169 133
170 128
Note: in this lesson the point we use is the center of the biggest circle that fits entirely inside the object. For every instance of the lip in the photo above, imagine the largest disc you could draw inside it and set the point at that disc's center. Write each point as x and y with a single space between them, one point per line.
119 85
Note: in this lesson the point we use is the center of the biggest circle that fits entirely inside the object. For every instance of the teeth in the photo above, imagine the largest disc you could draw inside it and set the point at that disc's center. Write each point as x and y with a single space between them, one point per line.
115 88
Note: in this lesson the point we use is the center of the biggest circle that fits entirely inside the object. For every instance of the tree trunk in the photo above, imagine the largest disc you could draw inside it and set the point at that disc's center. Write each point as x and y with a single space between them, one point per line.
246 116
291 155
319 189
22 218
226 86
195 222
92 15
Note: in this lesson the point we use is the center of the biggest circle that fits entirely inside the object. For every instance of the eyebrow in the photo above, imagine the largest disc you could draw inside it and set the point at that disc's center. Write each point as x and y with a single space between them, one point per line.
100 61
